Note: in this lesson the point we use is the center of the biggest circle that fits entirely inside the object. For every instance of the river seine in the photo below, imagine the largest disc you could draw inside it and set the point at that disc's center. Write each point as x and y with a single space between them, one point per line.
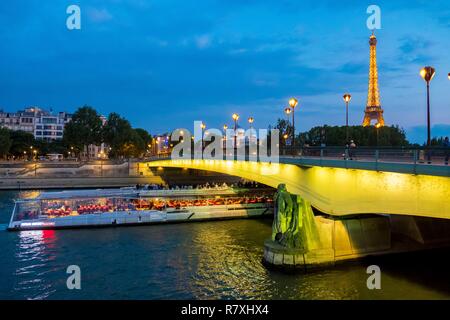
208 260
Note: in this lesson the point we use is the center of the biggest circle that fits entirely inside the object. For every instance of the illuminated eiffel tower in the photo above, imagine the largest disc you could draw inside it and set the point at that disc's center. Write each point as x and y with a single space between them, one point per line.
373 108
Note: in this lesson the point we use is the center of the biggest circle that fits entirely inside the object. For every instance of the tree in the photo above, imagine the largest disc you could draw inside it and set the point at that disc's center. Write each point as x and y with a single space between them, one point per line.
285 129
84 129
21 143
145 136
136 146
5 142
123 140
436 141
363 136
45 147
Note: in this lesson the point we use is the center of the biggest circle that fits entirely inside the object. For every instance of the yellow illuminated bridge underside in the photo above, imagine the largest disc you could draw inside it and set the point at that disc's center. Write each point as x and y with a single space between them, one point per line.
338 191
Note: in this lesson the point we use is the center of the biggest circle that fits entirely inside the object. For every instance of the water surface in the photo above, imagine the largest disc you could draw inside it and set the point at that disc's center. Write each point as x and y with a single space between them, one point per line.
208 260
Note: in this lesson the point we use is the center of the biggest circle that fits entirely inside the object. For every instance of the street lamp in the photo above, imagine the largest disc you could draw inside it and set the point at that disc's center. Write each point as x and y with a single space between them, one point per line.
250 121
235 117
225 127
377 127
288 111
293 102
101 155
448 76
347 97
427 73
203 126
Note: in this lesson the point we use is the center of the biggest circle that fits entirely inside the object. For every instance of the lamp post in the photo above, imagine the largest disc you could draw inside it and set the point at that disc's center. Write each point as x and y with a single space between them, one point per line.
250 121
35 162
235 118
288 112
377 127
293 102
448 76
101 162
203 126
347 97
224 139
427 73
225 127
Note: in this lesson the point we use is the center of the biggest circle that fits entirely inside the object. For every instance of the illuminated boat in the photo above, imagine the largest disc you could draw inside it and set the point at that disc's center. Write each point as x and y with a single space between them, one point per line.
120 207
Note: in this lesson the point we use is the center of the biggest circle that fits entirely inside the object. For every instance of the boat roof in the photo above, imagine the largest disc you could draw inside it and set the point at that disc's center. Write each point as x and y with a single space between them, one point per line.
126 192
74 194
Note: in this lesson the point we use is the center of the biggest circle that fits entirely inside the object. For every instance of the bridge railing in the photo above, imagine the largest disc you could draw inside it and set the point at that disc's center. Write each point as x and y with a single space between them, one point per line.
411 155
433 155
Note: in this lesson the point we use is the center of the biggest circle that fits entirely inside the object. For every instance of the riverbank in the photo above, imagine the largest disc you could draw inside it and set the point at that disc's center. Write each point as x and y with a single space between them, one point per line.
61 180
100 182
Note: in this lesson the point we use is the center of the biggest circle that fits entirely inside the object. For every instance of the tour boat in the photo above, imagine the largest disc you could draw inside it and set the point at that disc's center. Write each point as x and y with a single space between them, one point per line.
132 206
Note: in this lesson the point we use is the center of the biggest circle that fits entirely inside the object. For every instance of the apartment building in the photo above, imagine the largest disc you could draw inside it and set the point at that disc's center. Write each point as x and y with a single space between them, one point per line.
44 125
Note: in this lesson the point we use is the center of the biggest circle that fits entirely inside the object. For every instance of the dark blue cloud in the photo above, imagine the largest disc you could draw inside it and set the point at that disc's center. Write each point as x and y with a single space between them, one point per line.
166 63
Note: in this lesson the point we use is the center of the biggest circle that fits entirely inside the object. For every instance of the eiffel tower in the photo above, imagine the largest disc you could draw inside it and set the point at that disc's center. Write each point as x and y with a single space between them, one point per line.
373 108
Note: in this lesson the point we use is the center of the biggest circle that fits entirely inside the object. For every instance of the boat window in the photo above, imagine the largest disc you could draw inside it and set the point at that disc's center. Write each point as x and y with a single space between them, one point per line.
27 210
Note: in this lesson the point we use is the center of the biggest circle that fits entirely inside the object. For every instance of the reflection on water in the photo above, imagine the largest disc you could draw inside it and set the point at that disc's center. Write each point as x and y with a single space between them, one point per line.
191 261
34 253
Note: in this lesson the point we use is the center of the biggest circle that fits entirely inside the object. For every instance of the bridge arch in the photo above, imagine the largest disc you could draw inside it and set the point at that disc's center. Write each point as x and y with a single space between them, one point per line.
339 191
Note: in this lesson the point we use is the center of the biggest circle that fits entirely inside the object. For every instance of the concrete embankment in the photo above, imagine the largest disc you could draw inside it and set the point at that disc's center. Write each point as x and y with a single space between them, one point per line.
66 176
74 182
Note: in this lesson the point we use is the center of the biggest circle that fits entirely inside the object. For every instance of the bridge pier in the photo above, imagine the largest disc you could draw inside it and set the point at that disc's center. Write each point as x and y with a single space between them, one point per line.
350 238
340 239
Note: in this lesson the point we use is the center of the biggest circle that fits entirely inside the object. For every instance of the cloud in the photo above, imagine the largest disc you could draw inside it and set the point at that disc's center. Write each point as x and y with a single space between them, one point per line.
354 68
98 15
415 49
444 20
249 55
237 51
157 42
203 41
265 80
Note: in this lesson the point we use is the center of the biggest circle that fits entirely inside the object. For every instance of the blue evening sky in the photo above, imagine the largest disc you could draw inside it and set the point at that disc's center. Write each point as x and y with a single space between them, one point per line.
165 63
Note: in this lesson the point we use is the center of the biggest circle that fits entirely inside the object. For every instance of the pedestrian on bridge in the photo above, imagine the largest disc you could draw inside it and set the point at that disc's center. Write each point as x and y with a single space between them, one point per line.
446 145
352 149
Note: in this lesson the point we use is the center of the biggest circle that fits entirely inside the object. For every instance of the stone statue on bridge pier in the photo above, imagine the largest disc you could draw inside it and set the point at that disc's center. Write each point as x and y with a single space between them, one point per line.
294 225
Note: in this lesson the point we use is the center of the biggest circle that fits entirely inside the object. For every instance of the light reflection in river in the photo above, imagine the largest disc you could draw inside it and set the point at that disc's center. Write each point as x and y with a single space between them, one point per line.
191 261
34 253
